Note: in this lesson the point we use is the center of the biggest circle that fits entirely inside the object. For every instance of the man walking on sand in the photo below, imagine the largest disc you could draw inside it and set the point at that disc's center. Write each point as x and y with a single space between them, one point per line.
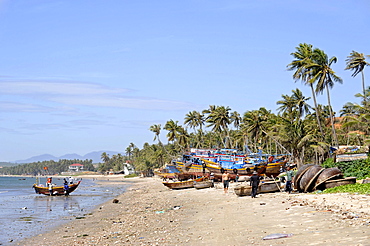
254 182
226 180
289 177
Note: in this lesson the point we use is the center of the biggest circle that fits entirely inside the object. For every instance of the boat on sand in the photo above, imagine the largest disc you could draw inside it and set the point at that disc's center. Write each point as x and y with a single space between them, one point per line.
264 187
182 184
203 184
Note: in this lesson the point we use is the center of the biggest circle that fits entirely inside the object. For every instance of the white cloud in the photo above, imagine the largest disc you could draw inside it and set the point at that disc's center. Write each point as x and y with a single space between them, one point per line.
65 88
80 94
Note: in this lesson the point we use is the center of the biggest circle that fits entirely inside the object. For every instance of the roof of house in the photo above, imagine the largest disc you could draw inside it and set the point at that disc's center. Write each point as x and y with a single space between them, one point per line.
76 164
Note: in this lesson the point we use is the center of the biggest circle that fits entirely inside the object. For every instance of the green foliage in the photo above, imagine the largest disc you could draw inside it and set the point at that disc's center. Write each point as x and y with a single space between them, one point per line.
357 168
328 163
53 167
131 175
350 188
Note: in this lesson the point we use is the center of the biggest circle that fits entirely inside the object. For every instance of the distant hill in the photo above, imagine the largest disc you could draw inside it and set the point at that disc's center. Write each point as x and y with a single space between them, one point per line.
95 156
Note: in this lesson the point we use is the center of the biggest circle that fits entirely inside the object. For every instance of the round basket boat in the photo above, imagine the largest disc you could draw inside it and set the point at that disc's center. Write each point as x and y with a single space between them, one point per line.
299 174
327 174
310 186
308 176
339 182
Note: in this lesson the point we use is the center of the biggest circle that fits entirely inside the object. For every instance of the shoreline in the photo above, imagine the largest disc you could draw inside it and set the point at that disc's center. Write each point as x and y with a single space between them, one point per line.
149 214
26 214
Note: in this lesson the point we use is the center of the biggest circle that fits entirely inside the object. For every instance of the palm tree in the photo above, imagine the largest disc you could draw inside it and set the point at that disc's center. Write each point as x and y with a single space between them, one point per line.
287 105
194 119
356 62
303 57
183 137
255 123
219 120
105 157
157 130
172 128
325 77
301 102
235 118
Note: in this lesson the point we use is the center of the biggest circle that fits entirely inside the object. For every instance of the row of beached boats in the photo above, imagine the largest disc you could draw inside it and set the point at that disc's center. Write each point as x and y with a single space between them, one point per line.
199 168
203 162
241 189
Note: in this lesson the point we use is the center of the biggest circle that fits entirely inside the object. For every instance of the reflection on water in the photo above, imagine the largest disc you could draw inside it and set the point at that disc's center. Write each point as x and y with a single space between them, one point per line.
57 204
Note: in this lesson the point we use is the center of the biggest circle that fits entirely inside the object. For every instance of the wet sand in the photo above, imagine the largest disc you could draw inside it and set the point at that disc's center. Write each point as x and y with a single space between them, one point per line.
148 213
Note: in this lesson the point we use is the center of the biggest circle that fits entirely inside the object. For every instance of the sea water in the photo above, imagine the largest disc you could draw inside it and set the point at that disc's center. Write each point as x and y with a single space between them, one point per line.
23 213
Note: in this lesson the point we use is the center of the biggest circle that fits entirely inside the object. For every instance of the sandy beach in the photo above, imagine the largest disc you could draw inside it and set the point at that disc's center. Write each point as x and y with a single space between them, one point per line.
148 213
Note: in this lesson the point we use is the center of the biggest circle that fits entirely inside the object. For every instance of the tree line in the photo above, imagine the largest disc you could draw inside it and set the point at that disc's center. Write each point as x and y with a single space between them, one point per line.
46 167
308 133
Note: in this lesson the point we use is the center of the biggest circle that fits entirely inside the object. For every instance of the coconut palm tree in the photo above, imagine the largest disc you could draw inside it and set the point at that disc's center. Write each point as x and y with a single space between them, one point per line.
325 78
356 62
105 157
183 137
301 102
287 105
302 58
194 119
255 123
219 120
236 119
172 128
157 130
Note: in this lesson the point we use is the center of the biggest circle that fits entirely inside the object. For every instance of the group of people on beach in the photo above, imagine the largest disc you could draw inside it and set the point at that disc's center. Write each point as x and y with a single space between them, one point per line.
255 181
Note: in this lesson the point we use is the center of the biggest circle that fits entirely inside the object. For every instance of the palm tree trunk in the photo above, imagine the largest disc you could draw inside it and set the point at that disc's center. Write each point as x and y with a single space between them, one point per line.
363 85
316 109
332 119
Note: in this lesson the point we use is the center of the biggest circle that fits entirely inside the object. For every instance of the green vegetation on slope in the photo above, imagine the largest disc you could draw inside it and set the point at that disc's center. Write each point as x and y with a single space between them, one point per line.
350 188
358 168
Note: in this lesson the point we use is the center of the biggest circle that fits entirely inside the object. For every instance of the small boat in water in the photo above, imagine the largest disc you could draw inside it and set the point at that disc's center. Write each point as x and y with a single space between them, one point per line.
264 187
55 190
182 184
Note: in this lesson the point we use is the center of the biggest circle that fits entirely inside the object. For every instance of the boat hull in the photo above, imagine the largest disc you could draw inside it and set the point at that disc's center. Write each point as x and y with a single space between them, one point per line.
273 168
338 182
203 184
247 171
56 191
182 184
265 187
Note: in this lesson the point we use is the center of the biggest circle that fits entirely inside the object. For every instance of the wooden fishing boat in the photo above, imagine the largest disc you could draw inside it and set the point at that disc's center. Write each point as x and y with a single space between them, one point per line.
203 184
264 187
242 170
182 184
56 190
273 168
191 161
168 172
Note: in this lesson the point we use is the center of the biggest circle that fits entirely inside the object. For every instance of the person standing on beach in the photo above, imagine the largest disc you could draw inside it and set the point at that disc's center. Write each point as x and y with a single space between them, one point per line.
254 182
212 178
289 177
226 180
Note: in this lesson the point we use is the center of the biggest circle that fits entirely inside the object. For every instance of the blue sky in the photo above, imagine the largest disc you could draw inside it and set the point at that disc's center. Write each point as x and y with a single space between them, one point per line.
82 76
